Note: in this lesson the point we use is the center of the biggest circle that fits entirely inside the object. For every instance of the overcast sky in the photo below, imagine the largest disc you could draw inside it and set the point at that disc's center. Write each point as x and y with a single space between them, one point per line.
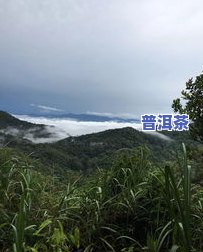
105 56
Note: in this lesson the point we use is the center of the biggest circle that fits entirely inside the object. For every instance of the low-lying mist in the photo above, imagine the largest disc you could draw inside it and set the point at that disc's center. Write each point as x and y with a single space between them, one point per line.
58 128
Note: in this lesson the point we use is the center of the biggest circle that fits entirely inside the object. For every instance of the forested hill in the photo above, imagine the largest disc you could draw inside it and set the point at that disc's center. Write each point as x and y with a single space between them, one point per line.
87 152
14 130
7 120
100 148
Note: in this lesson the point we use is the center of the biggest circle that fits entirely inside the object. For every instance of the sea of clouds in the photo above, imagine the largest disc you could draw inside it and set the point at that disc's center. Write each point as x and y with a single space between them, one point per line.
60 128
64 127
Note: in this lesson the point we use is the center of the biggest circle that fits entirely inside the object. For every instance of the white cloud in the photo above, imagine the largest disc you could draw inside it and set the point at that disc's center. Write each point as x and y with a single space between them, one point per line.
159 135
49 133
67 127
76 128
55 135
46 108
120 115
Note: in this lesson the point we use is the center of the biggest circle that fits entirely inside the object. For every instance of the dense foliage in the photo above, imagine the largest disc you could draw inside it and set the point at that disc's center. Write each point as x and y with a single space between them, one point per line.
86 153
133 206
118 190
193 96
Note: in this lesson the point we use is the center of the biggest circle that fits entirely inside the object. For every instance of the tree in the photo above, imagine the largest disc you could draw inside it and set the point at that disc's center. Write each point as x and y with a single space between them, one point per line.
193 106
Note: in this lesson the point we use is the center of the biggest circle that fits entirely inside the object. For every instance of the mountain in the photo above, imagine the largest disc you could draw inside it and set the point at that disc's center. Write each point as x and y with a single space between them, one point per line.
99 149
55 193
14 129
7 120
87 152
84 117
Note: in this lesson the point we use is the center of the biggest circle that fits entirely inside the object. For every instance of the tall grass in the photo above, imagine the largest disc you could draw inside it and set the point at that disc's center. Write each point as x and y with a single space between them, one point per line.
178 197
20 219
131 207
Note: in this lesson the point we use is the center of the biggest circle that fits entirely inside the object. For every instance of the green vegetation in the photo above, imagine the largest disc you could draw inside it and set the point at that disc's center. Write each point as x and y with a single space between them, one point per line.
133 206
7 120
86 153
118 190
193 95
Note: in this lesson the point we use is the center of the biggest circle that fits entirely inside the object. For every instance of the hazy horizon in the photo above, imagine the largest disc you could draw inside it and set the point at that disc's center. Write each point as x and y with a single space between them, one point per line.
106 57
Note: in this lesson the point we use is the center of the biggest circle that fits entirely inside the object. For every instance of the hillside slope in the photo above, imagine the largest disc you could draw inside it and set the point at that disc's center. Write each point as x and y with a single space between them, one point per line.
13 129
87 152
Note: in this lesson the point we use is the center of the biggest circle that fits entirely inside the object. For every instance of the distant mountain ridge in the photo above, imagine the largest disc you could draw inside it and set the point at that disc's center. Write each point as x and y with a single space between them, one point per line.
85 117
86 152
